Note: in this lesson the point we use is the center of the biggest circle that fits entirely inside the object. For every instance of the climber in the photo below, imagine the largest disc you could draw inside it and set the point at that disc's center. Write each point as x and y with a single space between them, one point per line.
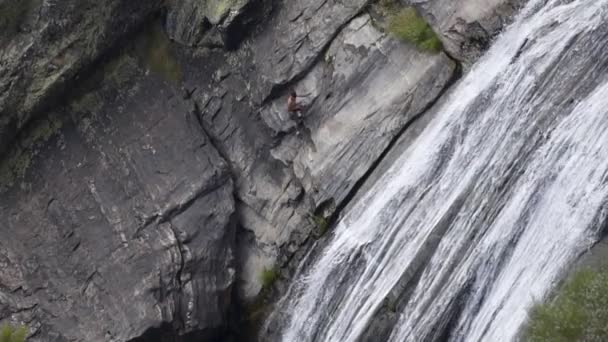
293 107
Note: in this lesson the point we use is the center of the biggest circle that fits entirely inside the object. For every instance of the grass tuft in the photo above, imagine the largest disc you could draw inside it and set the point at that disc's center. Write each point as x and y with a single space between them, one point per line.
269 276
407 25
579 312
11 334
321 223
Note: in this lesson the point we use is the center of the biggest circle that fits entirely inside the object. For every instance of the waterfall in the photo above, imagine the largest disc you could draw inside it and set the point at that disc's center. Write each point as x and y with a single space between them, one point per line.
478 219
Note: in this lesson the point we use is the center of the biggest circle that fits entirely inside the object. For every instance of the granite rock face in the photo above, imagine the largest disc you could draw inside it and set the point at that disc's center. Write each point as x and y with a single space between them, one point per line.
361 90
117 216
360 97
45 44
467 27
213 23
293 40
139 189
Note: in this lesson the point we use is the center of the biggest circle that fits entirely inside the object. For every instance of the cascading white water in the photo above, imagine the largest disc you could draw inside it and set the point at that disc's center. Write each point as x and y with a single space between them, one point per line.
503 190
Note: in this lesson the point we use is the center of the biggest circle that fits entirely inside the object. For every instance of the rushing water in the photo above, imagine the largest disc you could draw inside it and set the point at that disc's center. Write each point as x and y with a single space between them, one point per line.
479 217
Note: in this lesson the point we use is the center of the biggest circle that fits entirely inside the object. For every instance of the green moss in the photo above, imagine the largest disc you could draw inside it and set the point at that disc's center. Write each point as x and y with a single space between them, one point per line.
579 311
12 334
256 310
321 224
407 25
259 307
432 45
157 55
269 276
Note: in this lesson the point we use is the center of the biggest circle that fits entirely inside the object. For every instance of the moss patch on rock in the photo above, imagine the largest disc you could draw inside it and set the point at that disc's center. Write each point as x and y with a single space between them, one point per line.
406 24
256 310
409 26
321 224
13 334
269 276
578 312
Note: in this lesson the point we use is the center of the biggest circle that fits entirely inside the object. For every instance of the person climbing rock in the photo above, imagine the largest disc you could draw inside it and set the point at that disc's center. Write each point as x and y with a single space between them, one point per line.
293 107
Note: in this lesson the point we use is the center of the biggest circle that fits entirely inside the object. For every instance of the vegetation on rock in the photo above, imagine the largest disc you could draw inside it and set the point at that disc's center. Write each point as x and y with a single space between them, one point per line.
321 223
578 312
256 310
11 334
269 276
407 25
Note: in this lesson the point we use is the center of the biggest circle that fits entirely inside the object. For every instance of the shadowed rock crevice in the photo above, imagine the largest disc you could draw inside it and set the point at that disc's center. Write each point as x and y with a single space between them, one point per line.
214 23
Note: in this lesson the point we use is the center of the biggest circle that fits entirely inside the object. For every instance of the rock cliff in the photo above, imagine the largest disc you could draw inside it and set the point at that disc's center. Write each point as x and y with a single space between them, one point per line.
150 172
467 27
